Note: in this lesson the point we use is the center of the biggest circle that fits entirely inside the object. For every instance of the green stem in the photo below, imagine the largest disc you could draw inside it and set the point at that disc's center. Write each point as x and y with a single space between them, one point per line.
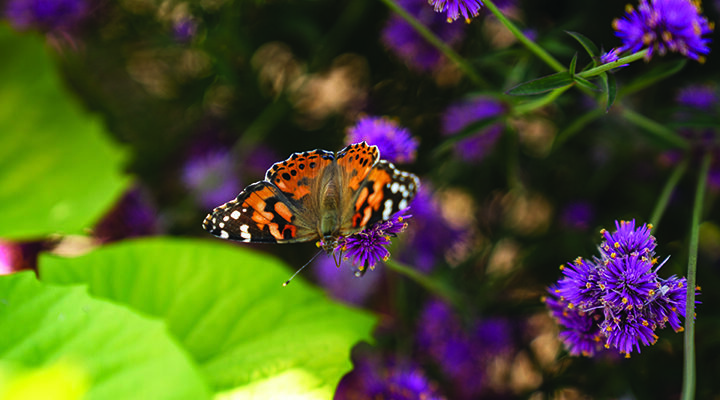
606 67
532 46
655 128
688 390
664 198
525 108
431 285
461 63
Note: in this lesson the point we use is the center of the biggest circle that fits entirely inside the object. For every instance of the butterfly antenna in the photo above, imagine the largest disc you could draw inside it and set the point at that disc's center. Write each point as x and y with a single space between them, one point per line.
301 268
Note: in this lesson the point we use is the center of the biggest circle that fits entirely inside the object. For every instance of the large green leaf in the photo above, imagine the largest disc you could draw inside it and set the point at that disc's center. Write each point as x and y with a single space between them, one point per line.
59 172
124 355
227 307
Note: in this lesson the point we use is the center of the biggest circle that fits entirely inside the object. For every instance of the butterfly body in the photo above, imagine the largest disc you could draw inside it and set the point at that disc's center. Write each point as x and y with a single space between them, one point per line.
315 195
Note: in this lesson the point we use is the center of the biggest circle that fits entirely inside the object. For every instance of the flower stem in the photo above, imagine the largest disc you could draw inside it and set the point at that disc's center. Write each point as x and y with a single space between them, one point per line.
664 198
461 63
532 46
688 390
655 128
606 67
426 282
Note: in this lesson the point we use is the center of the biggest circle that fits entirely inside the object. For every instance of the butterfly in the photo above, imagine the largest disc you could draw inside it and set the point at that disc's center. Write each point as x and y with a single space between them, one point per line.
318 196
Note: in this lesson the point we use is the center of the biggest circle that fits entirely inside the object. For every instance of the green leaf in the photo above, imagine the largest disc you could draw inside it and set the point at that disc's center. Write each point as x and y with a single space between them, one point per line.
656 74
227 307
123 354
59 171
609 87
542 85
586 83
573 64
586 43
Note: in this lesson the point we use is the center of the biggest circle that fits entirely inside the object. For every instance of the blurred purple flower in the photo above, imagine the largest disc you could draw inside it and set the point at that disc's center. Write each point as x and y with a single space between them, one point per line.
47 15
210 176
454 8
617 300
395 142
477 143
577 215
662 26
258 161
132 216
185 29
367 247
409 46
429 236
700 97
342 284
462 353
372 378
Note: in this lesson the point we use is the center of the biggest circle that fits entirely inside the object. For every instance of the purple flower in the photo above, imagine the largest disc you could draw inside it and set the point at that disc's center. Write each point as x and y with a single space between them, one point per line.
409 46
210 176
610 56
46 15
342 284
618 300
376 378
577 215
461 352
665 25
627 240
581 334
185 29
132 216
395 142
700 97
367 247
628 281
477 143
454 8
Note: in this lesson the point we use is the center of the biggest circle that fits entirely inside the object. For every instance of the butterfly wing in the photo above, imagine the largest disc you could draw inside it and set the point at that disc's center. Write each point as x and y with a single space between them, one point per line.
260 214
281 209
385 191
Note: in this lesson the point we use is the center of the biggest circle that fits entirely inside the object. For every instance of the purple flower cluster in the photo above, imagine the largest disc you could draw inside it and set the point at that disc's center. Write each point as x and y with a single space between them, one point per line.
373 378
395 142
367 247
460 116
462 352
665 25
404 41
617 300
46 15
454 8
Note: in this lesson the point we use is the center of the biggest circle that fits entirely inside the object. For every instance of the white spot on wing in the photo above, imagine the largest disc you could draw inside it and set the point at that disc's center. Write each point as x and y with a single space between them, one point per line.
403 204
235 214
224 234
388 209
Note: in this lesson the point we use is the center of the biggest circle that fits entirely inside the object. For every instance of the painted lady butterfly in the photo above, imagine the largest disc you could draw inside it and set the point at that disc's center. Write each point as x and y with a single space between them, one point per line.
316 195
